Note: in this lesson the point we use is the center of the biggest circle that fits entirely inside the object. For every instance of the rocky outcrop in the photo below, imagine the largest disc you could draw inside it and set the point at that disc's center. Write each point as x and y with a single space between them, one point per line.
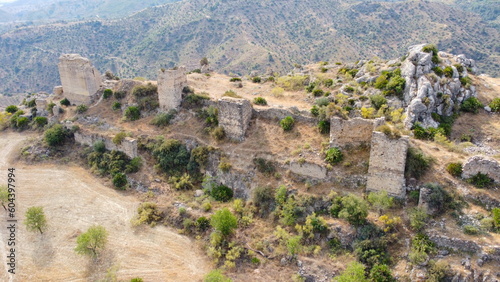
80 80
387 164
170 85
234 117
426 92
353 132
455 244
484 165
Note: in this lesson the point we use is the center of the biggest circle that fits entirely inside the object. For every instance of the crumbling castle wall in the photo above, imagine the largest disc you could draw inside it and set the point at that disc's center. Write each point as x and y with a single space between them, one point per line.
170 86
80 80
128 145
387 164
482 164
234 116
353 132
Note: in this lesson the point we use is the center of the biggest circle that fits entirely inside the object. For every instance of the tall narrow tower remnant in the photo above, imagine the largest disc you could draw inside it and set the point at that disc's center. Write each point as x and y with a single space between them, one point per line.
170 85
80 80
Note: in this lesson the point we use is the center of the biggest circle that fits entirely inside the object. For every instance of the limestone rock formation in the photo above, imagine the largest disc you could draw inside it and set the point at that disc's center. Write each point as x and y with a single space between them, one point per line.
387 164
80 80
234 116
426 92
482 164
170 85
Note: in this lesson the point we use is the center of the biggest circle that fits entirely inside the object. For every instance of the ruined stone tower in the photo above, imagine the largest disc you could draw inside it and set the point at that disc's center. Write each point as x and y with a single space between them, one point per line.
234 116
170 85
79 79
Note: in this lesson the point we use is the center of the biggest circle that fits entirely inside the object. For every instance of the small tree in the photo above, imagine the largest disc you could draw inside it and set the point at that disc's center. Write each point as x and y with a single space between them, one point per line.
55 135
224 221
204 61
35 219
4 196
92 241
354 209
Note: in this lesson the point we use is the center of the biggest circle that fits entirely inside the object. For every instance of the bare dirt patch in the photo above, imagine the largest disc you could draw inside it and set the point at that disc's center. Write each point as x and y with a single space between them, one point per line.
73 200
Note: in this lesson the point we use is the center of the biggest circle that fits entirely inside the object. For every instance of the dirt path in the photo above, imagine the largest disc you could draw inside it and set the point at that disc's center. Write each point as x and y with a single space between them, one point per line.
73 200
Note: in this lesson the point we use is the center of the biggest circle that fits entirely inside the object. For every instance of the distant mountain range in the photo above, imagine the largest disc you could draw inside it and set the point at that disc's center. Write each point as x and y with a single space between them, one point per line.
240 36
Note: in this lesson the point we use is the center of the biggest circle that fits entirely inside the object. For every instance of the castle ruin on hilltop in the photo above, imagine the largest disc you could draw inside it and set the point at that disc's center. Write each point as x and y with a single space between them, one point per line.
170 85
80 80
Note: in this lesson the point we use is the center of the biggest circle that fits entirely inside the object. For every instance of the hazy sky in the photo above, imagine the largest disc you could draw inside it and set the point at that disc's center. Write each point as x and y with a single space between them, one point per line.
6 1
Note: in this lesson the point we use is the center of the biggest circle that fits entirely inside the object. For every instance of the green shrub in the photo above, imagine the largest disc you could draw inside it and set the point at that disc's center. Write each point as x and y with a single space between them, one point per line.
438 71
471 105
183 182
448 71
256 79
333 156
390 132
232 94
381 273
120 181
466 81
235 79
147 213
323 101
107 93
119 137
218 133
11 109
65 102
120 94
264 166
22 122
421 247
471 230
50 106
148 103
163 119
132 113
116 106
439 199
80 109
495 214
221 193
216 275
263 199
195 100
495 105
56 135
355 272
315 110
134 165
431 48
145 90
417 163
99 147
309 88
418 218
260 101
324 126
40 121
454 169
480 180
328 82
210 115
292 83
104 162
172 156
317 92
202 223
224 221
287 123
354 209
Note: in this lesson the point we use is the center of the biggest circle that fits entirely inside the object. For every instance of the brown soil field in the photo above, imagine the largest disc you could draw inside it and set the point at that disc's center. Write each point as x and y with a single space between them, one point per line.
73 200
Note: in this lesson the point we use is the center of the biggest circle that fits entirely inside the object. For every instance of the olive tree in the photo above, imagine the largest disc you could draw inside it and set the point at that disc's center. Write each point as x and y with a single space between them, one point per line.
92 241
35 219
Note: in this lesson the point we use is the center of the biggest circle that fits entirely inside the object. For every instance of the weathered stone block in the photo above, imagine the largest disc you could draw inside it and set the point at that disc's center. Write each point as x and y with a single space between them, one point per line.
308 169
387 164
353 132
234 116
170 85
482 164
58 90
79 79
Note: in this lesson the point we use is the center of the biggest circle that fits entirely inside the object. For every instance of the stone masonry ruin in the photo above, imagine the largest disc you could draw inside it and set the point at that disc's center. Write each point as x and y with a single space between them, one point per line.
387 164
353 132
484 165
234 116
79 79
170 85
128 145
